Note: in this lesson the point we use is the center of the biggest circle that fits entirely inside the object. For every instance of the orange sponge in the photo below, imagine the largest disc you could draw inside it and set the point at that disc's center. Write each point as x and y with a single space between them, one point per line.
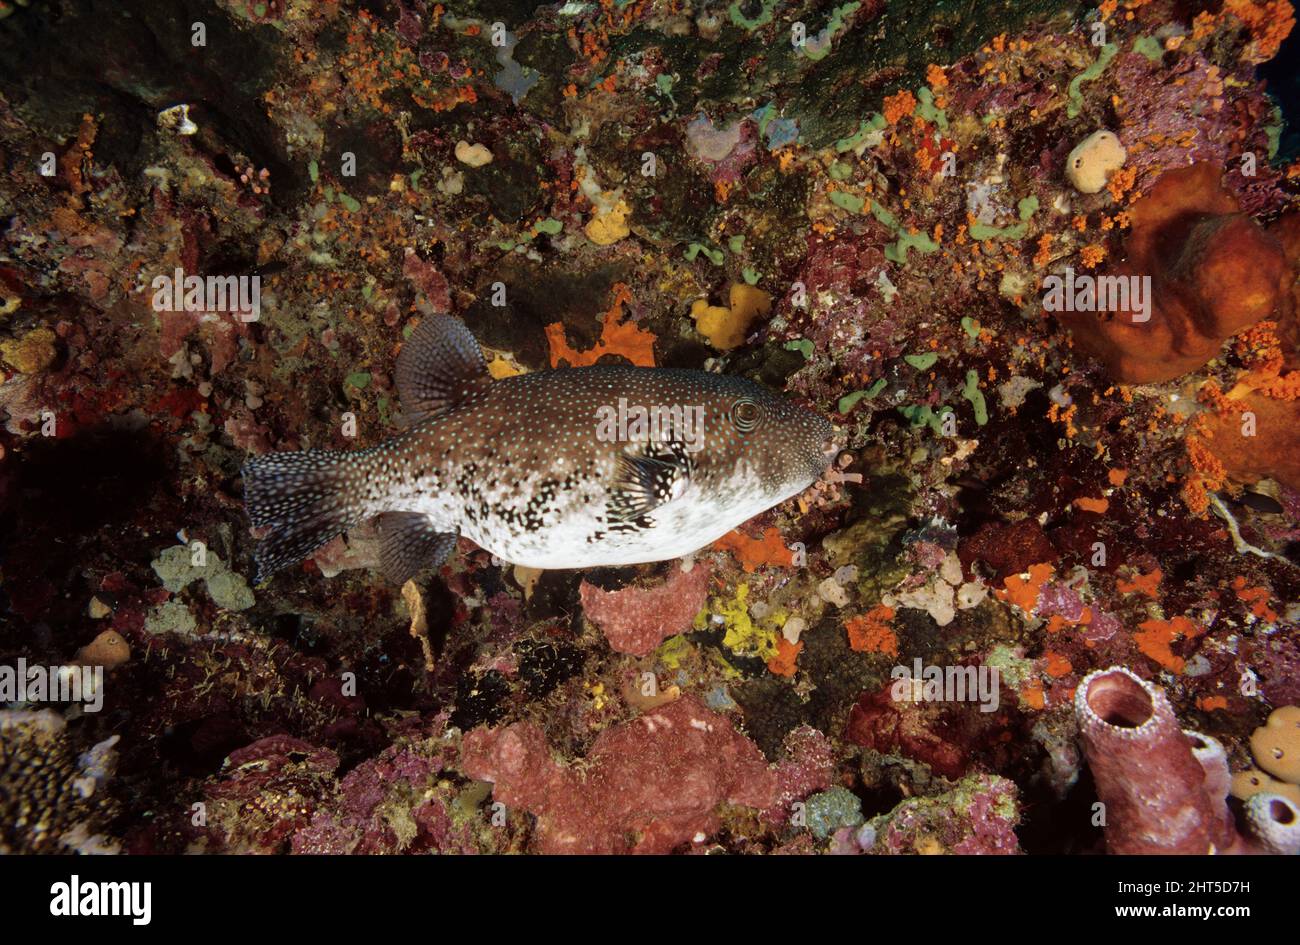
1213 272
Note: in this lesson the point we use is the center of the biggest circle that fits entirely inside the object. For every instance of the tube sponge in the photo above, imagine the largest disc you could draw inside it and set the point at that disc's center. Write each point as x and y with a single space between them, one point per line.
1274 823
1164 788
1150 781
1213 759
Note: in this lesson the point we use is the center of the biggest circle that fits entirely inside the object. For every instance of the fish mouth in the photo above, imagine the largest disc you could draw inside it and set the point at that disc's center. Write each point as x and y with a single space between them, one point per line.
834 444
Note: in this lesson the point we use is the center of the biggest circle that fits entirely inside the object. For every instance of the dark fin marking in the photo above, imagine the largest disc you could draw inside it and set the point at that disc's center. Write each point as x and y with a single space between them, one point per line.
306 498
647 481
408 543
439 366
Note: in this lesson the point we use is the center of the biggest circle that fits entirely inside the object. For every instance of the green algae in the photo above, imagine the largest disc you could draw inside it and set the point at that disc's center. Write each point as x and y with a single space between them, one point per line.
849 401
922 415
973 393
749 275
1273 132
359 380
1025 209
847 201
884 216
865 128
803 346
833 26
926 108
714 256
897 251
1089 74
664 83
922 362
764 16
1150 47
970 326
982 231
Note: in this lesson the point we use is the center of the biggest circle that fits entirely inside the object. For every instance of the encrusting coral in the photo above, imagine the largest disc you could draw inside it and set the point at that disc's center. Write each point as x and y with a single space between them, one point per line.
53 800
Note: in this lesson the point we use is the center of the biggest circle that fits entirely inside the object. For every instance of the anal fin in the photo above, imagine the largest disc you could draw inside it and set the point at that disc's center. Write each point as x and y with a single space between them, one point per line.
409 543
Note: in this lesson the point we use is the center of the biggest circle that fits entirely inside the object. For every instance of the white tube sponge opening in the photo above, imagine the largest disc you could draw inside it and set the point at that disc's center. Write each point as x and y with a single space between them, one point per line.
1274 822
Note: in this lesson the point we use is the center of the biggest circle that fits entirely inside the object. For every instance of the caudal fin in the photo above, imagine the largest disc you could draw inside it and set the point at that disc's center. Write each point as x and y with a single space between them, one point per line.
306 498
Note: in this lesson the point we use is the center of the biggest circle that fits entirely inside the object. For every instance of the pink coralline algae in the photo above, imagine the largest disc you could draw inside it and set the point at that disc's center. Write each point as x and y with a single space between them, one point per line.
266 793
1165 788
390 804
809 766
635 620
1275 659
647 786
426 277
978 816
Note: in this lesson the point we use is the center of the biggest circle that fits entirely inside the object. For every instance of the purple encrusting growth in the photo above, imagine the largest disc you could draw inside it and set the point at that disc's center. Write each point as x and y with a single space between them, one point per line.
537 469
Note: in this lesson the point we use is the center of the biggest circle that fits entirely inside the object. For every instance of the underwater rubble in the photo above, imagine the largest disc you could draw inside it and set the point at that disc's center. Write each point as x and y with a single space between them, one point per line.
1055 570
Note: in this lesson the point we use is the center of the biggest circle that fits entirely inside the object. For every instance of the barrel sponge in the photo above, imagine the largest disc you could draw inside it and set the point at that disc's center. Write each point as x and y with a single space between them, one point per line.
1165 789
1213 270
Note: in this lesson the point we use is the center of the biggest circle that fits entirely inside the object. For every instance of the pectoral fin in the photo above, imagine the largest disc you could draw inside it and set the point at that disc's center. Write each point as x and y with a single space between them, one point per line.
646 481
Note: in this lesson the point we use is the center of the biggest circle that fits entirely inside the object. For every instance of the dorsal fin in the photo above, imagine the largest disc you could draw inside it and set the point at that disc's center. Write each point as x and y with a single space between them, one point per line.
439 366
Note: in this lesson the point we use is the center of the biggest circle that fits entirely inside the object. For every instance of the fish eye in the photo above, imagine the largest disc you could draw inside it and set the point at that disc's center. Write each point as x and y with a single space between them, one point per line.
744 414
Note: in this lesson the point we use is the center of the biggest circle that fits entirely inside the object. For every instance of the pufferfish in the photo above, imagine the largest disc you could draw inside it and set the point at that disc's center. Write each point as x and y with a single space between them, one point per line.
568 468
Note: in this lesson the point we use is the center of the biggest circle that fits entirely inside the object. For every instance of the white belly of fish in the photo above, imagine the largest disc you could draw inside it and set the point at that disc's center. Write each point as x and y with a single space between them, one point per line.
579 539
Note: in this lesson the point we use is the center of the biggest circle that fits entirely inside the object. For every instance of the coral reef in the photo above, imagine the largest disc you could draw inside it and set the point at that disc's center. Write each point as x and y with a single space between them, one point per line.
870 223
978 816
